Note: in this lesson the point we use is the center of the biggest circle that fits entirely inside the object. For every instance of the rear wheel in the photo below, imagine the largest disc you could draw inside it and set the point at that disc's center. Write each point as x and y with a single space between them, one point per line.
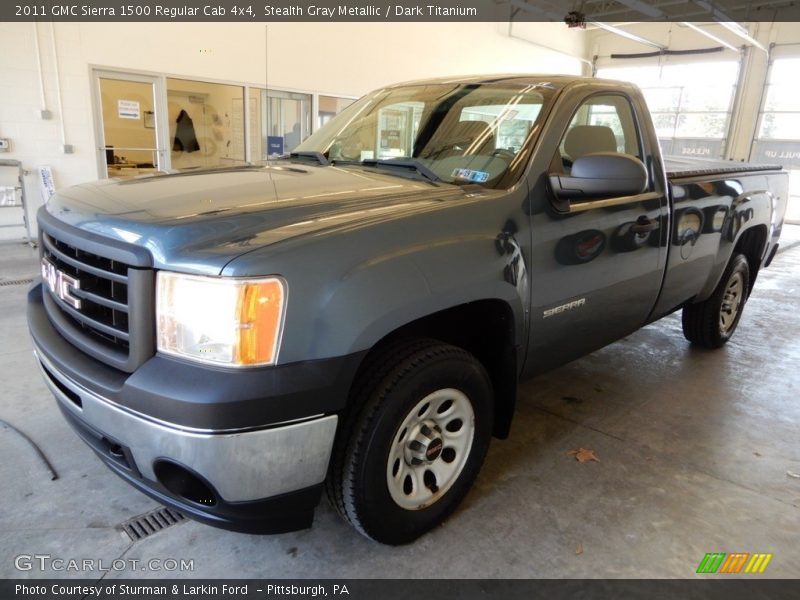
712 322
414 442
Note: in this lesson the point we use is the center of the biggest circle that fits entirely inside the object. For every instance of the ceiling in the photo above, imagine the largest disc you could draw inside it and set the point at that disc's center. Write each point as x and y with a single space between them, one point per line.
658 10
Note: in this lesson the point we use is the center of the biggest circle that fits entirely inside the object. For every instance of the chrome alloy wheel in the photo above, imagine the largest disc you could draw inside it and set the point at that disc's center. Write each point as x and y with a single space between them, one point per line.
430 448
731 302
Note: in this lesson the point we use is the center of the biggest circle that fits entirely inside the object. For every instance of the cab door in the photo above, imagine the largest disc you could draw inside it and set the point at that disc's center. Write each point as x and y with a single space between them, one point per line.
597 262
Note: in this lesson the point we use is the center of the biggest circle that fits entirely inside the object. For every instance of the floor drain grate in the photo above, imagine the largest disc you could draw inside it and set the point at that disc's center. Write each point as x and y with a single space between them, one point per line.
6 282
147 524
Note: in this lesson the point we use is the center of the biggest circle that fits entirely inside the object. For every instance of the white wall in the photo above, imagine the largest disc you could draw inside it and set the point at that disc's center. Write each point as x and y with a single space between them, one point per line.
338 58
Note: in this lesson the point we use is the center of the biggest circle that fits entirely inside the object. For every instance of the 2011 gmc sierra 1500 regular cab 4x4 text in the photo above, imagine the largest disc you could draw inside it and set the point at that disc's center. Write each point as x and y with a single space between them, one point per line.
356 316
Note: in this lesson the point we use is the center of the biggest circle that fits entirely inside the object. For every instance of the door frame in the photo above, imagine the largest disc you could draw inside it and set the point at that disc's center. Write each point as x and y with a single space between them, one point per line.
163 158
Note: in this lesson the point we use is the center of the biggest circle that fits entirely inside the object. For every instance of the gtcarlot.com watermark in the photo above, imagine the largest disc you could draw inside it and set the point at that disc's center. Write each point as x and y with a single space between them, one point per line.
48 562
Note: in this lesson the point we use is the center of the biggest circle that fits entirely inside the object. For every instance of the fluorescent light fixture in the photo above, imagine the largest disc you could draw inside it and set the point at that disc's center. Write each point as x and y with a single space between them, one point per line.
711 36
628 35
737 29
729 24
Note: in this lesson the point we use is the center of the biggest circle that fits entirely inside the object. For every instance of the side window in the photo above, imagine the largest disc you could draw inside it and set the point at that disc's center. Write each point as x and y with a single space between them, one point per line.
603 123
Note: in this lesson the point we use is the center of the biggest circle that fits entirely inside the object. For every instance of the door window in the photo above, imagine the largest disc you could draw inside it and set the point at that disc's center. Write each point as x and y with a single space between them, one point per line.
129 129
603 123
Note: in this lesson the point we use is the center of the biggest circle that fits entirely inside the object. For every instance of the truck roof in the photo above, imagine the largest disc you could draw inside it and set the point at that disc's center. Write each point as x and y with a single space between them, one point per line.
555 81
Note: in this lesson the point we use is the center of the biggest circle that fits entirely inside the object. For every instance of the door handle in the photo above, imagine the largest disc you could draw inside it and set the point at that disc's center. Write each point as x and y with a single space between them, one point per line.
644 225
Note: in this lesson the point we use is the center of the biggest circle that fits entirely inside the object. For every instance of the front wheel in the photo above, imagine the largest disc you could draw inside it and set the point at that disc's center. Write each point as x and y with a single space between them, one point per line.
712 322
415 441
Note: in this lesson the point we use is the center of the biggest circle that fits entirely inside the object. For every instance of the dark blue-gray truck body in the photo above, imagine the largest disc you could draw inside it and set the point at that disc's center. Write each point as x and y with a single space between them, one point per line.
509 274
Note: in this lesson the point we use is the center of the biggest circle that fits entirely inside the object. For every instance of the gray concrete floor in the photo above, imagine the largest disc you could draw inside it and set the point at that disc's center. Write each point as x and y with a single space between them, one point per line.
694 450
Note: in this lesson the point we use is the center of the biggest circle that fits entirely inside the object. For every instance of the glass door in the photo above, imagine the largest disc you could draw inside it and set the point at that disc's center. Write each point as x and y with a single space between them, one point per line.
283 120
128 125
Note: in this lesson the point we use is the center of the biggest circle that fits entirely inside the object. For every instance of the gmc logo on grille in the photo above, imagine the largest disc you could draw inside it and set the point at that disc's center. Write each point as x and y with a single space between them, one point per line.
59 283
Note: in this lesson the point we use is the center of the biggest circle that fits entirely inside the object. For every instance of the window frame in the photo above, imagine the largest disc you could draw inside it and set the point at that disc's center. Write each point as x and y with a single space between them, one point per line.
636 121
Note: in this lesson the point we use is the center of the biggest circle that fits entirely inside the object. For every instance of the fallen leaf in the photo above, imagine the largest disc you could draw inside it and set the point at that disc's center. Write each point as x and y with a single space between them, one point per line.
793 474
579 549
583 455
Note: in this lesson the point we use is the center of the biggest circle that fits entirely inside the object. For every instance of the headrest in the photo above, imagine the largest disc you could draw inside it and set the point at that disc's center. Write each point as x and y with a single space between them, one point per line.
586 139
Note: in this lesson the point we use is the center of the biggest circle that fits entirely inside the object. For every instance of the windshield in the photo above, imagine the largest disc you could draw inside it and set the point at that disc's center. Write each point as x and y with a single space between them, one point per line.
457 132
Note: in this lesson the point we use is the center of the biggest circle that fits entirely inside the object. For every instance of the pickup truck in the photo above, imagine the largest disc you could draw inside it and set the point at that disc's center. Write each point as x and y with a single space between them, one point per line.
354 318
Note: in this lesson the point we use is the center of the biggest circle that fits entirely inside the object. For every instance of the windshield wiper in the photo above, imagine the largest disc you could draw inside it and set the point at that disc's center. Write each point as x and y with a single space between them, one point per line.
318 156
407 163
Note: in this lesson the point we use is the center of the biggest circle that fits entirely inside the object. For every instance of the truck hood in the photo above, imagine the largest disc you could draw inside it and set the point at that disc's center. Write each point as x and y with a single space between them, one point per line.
199 221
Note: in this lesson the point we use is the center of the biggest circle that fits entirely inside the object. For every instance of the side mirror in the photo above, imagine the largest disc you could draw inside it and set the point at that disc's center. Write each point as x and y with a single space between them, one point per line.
600 175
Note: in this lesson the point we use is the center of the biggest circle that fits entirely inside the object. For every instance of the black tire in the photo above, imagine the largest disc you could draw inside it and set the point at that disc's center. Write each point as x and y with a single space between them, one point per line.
703 322
391 385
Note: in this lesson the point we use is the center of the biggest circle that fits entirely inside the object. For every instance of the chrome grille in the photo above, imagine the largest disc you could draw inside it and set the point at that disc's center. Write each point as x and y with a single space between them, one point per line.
103 291
108 307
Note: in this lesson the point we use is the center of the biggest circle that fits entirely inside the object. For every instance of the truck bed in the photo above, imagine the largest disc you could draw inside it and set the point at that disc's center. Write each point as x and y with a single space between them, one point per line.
680 167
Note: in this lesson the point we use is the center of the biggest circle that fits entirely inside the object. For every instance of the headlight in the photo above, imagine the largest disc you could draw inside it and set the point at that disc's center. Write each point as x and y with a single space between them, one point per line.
220 320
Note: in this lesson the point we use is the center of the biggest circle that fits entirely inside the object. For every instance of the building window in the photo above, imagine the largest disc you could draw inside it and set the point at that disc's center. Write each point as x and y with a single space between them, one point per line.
206 123
329 107
778 140
691 103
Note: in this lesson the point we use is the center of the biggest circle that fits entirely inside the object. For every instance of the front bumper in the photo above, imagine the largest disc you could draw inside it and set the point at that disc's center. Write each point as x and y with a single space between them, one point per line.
261 479
266 481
